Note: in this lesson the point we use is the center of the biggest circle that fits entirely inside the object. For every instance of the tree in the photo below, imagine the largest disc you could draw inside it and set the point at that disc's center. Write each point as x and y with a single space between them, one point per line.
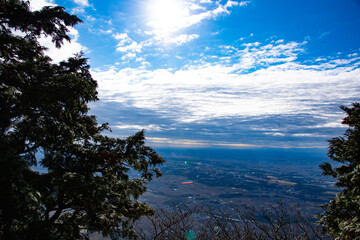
342 214
87 185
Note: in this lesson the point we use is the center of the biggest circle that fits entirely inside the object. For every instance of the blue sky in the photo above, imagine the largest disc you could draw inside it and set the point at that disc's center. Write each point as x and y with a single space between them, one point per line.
203 73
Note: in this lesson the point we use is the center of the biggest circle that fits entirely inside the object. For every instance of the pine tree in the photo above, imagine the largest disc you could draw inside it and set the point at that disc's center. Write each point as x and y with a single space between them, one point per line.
342 214
44 121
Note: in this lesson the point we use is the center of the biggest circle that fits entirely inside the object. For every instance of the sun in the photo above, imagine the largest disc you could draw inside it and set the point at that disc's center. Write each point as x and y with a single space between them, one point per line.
167 16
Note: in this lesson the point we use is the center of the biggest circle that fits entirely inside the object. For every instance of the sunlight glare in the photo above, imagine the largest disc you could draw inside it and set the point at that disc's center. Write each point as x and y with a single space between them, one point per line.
167 16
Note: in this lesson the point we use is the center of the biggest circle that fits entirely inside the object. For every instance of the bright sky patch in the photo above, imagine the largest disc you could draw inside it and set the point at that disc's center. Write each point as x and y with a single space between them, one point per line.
166 16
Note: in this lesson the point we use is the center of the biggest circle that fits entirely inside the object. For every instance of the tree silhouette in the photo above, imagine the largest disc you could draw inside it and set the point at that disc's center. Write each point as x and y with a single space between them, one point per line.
341 217
44 121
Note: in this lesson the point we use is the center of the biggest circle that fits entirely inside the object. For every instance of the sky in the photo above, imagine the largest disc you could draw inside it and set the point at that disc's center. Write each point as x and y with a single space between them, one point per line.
219 74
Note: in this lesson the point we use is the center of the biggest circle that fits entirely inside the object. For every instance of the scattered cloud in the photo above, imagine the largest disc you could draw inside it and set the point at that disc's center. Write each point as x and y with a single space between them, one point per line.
106 32
150 127
80 9
336 124
205 1
126 44
304 135
211 13
183 38
121 36
324 34
132 47
193 6
128 55
260 82
274 134
255 55
90 18
83 3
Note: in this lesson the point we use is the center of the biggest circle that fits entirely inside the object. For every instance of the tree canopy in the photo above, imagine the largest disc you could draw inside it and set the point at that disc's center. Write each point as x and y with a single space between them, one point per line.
87 185
342 214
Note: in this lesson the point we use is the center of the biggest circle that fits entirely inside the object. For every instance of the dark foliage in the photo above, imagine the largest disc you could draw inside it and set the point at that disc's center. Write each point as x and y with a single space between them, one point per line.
44 121
342 214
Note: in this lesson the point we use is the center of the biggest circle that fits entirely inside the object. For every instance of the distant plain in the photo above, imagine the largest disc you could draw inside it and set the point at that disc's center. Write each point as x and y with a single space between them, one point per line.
226 178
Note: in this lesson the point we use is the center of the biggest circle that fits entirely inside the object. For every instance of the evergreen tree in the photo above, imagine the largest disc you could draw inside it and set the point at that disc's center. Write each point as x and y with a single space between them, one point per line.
44 121
342 214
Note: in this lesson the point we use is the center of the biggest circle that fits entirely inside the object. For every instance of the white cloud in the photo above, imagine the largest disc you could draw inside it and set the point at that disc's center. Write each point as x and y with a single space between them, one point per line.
90 18
255 55
38 4
233 3
198 92
106 32
126 44
151 127
83 3
274 134
304 135
128 55
121 36
193 6
132 47
324 34
80 9
183 38
335 124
